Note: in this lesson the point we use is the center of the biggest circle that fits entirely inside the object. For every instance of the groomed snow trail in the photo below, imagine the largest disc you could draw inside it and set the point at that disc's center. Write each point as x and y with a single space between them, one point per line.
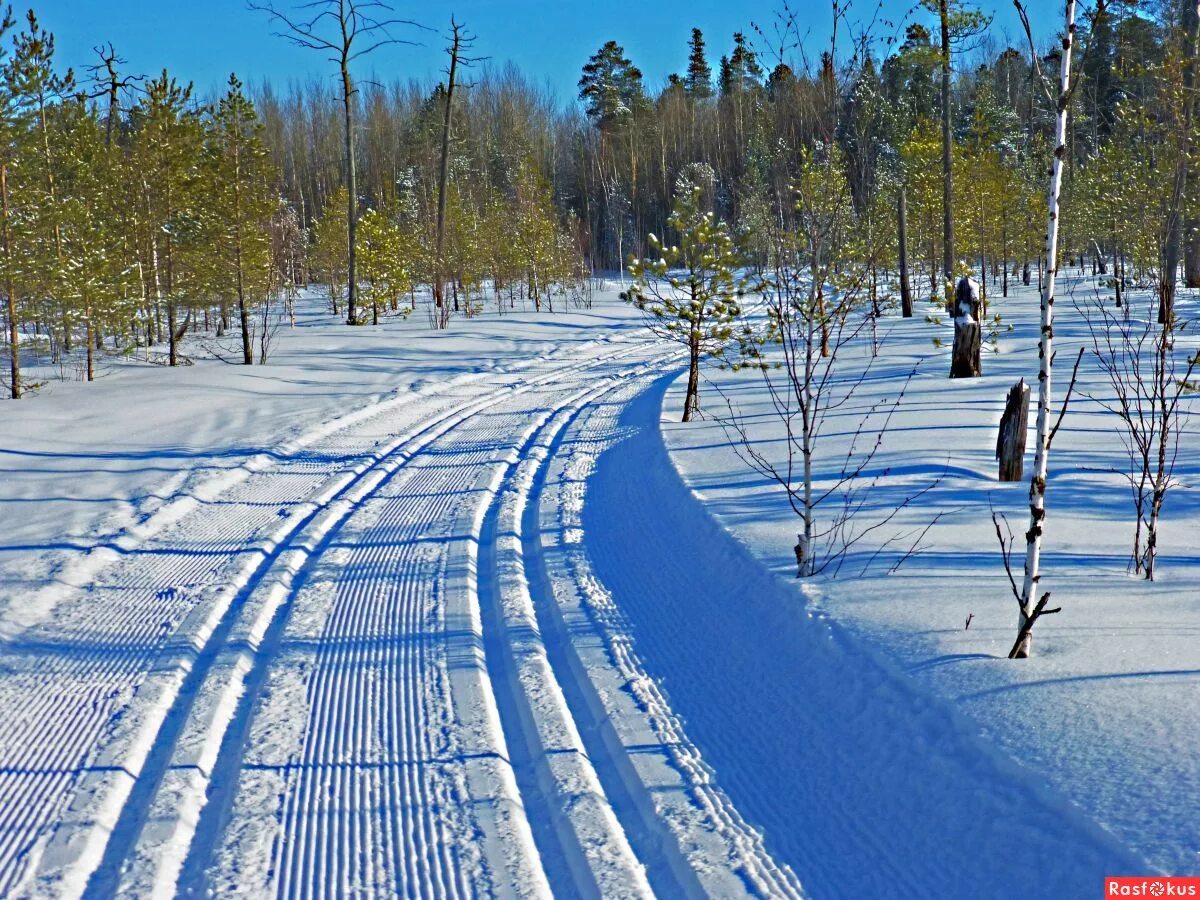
344 671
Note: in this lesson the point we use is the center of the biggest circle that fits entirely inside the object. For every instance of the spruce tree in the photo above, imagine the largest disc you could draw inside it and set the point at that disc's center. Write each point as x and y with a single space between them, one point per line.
698 82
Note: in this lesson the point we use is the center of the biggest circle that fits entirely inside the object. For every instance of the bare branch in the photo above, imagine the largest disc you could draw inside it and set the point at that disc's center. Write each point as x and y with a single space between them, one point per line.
1066 400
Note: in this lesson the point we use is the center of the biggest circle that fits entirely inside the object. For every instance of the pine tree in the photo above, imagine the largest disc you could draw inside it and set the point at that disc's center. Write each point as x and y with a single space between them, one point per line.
243 202
168 157
611 86
699 306
96 280
12 133
330 256
908 78
740 72
36 87
387 257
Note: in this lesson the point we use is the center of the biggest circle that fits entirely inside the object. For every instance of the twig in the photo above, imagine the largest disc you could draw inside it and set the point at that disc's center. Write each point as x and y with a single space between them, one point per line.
1006 551
1066 400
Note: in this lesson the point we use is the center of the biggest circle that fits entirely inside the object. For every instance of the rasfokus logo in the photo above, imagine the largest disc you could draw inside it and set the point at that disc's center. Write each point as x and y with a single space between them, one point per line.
1149 886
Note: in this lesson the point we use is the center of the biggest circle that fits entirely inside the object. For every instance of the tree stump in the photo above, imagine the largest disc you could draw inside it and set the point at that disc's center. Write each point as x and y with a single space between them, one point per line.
1014 424
965 358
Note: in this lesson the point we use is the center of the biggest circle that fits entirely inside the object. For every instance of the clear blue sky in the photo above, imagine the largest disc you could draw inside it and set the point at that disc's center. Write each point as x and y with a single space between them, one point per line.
204 40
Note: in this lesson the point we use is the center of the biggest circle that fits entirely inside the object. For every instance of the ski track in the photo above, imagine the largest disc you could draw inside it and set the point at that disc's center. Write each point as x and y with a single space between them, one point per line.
74 739
815 740
340 668
631 724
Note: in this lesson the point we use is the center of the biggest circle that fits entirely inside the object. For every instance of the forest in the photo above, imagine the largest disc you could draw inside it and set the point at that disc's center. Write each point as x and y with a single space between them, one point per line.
135 210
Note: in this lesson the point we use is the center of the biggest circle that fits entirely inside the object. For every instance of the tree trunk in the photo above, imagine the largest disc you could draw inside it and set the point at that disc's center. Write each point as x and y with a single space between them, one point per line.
443 175
1010 442
1175 215
352 187
243 311
247 345
947 144
1191 250
1004 253
91 340
906 302
1037 483
966 356
14 335
691 401
172 337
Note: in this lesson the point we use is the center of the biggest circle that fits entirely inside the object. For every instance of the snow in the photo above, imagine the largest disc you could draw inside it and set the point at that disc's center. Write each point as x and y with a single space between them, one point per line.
1105 716
417 612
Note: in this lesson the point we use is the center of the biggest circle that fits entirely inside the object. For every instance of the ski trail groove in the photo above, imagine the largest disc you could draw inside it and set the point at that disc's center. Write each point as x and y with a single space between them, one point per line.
69 757
583 846
184 810
669 872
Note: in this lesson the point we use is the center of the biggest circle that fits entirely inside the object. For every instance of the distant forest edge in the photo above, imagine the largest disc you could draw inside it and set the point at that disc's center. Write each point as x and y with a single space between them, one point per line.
133 212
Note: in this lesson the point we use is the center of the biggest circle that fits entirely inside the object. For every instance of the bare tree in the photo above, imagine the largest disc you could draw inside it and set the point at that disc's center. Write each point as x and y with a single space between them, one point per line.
109 82
347 30
1148 384
460 41
813 298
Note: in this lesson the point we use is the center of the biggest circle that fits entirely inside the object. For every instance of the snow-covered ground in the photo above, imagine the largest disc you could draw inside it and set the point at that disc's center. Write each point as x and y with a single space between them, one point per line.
434 613
1106 715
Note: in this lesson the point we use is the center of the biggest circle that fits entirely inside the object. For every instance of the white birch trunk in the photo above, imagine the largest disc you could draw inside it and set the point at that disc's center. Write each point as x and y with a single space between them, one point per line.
1037 484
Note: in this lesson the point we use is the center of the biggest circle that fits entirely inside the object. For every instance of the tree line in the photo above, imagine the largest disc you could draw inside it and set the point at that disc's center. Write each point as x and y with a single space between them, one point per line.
135 212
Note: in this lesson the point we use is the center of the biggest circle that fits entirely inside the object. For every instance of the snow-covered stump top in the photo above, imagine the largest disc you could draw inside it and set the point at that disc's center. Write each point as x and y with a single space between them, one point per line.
966 301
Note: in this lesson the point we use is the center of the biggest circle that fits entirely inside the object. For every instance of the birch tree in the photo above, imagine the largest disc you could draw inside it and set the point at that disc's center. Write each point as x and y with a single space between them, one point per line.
816 308
1031 605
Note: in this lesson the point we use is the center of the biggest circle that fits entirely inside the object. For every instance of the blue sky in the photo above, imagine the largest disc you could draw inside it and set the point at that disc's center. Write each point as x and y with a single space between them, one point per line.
204 40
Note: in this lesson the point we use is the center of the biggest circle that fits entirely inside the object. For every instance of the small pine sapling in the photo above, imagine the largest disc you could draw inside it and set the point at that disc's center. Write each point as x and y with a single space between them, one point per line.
690 291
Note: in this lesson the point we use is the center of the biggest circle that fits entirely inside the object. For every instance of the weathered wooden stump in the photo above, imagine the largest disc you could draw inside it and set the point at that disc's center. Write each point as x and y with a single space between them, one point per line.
1010 442
965 358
